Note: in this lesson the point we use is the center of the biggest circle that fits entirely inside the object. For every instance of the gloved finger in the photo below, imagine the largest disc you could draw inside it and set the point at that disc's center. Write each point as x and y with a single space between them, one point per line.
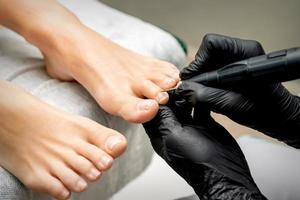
214 99
225 152
164 119
217 51
163 124
201 115
180 107
217 132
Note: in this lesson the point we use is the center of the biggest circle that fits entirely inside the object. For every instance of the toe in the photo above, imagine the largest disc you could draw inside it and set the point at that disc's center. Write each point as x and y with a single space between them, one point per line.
138 110
55 188
43 182
83 166
68 177
163 81
100 159
152 91
114 144
174 74
169 70
110 141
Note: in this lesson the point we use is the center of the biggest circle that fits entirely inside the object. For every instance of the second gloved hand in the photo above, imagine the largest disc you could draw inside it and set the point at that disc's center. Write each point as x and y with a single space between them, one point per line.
203 153
268 108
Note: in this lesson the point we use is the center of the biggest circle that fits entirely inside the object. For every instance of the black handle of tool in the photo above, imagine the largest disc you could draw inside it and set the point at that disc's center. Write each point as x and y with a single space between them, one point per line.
278 66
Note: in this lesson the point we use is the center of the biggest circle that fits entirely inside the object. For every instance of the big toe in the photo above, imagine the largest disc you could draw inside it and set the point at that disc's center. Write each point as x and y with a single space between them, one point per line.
109 143
152 91
138 110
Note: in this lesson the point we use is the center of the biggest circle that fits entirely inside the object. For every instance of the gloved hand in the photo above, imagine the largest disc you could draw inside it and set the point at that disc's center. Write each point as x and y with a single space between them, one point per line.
268 108
203 153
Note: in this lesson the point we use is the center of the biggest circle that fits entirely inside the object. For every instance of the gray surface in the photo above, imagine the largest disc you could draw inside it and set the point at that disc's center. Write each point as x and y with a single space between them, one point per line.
275 167
273 22
22 64
158 182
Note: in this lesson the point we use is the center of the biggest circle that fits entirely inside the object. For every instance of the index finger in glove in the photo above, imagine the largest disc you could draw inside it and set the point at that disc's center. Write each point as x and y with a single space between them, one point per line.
217 51
218 100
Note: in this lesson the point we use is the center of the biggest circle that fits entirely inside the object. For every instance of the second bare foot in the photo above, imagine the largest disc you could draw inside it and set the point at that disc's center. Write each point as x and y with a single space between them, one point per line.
49 150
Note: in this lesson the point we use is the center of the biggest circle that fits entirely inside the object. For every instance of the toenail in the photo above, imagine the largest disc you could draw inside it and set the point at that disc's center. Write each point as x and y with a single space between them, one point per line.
94 174
113 142
146 104
65 194
81 185
105 161
170 81
161 96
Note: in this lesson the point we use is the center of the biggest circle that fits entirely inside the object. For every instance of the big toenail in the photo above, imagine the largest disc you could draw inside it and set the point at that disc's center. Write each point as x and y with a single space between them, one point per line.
170 81
81 185
146 104
161 96
105 161
93 174
113 142
65 194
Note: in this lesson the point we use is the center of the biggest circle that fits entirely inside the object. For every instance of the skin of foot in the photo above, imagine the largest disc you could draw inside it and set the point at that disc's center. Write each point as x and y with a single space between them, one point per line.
58 152
51 151
123 82
117 78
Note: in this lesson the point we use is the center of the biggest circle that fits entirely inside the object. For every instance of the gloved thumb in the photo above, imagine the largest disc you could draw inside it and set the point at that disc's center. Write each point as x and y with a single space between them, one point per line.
163 124
214 99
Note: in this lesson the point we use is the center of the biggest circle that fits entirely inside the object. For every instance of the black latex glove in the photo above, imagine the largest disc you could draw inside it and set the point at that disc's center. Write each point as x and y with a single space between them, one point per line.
203 153
268 108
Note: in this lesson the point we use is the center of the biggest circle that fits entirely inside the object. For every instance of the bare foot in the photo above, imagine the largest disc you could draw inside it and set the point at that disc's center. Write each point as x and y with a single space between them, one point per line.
124 83
117 78
51 151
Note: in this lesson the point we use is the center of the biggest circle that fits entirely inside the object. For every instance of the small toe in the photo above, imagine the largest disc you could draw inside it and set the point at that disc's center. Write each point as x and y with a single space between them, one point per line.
43 181
167 69
163 81
83 166
98 157
152 91
55 188
68 177
174 75
172 72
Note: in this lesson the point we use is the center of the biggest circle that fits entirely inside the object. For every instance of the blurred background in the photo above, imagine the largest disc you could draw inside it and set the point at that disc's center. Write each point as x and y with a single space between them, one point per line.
275 23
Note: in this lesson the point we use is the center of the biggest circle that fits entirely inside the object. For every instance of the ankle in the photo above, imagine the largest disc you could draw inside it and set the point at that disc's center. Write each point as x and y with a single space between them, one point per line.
51 37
